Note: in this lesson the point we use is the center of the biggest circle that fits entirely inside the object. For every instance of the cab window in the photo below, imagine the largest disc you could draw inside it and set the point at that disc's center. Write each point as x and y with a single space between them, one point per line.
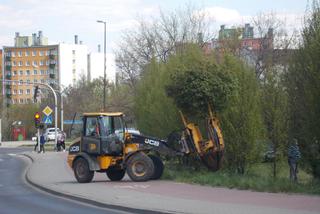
92 127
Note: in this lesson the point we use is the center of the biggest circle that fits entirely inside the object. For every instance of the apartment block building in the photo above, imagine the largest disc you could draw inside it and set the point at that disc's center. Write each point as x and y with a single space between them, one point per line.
32 60
27 65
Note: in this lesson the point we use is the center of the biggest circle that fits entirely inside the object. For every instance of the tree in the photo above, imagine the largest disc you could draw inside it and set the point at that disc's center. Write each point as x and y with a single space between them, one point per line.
275 113
155 112
158 38
275 43
196 85
241 120
303 82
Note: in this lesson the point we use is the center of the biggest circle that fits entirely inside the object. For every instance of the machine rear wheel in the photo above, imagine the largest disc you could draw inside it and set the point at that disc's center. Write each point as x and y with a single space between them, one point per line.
158 167
140 167
115 174
82 171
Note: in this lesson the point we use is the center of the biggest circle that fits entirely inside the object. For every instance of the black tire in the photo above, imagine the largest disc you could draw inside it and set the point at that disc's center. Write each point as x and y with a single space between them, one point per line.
158 167
140 167
115 174
82 171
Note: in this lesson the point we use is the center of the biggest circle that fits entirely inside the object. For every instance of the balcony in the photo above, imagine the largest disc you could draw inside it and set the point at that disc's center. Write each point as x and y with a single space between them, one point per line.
51 56
8 87
8 58
8 67
8 95
8 76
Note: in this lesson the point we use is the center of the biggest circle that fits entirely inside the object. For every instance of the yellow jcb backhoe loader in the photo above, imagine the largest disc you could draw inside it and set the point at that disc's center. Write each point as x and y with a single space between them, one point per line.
106 146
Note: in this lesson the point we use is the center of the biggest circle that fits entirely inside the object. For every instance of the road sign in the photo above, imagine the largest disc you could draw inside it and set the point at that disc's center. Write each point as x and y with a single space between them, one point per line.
47 111
47 119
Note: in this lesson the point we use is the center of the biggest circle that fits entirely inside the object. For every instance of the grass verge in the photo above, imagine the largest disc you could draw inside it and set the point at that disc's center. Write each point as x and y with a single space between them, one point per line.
258 178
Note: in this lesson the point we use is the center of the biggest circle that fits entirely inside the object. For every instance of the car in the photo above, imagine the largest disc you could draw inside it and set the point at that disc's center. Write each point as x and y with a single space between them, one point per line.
50 134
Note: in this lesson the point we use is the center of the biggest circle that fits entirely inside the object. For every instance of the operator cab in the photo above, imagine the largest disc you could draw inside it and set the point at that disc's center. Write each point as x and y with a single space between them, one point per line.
103 133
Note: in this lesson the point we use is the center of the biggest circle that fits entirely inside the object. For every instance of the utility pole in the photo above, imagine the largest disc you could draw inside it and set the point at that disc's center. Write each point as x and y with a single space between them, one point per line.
105 64
55 101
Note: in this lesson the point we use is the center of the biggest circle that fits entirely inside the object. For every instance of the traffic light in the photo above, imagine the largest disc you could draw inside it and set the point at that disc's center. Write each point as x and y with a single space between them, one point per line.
35 95
37 119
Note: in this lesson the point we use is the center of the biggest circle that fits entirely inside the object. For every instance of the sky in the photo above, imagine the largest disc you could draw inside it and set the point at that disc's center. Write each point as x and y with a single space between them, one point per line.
60 20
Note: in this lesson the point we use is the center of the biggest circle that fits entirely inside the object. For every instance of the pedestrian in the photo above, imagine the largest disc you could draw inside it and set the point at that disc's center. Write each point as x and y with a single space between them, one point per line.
293 157
42 142
36 146
61 141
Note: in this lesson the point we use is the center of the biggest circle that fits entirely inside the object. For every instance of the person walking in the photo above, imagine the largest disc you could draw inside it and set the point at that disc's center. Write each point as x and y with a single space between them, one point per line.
60 141
293 157
42 142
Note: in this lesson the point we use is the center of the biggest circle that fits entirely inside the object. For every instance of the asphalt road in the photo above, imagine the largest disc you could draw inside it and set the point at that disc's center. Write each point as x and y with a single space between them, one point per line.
16 196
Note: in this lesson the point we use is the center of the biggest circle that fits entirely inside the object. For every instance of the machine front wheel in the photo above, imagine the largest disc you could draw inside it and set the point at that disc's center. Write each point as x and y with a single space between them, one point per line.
140 167
82 171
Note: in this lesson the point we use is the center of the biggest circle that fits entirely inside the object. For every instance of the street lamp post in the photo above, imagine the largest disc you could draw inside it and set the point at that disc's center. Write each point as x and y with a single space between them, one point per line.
105 65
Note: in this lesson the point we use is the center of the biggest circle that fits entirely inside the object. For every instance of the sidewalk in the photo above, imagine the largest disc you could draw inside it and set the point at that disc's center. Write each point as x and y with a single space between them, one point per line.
50 171
12 144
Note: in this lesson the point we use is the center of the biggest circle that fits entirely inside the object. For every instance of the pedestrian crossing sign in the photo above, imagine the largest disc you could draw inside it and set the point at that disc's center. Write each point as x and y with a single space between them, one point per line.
47 119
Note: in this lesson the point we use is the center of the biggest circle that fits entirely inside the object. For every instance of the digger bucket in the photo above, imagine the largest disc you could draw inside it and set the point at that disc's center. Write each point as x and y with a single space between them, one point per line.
210 152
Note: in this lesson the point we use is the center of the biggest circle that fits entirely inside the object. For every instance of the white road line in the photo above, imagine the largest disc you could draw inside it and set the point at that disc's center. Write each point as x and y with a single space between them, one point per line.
11 154
131 186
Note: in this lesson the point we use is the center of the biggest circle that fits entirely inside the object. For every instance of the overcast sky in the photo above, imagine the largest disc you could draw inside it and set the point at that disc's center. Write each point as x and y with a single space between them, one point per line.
60 20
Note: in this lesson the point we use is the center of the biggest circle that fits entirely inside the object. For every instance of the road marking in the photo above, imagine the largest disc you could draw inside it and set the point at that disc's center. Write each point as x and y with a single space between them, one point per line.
136 186
11 154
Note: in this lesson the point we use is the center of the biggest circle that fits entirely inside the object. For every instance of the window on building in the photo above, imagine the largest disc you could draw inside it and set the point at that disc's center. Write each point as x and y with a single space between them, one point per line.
20 91
41 63
28 91
14 63
73 52
28 81
42 72
41 53
35 80
73 61
48 72
20 82
27 53
15 91
19 53
28 100
20 73
47 62
35 72
20 63
34 63
27 72
47 53
20 100
34 53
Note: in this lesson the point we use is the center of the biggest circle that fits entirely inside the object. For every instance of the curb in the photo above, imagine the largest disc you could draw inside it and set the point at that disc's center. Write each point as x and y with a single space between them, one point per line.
85 200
